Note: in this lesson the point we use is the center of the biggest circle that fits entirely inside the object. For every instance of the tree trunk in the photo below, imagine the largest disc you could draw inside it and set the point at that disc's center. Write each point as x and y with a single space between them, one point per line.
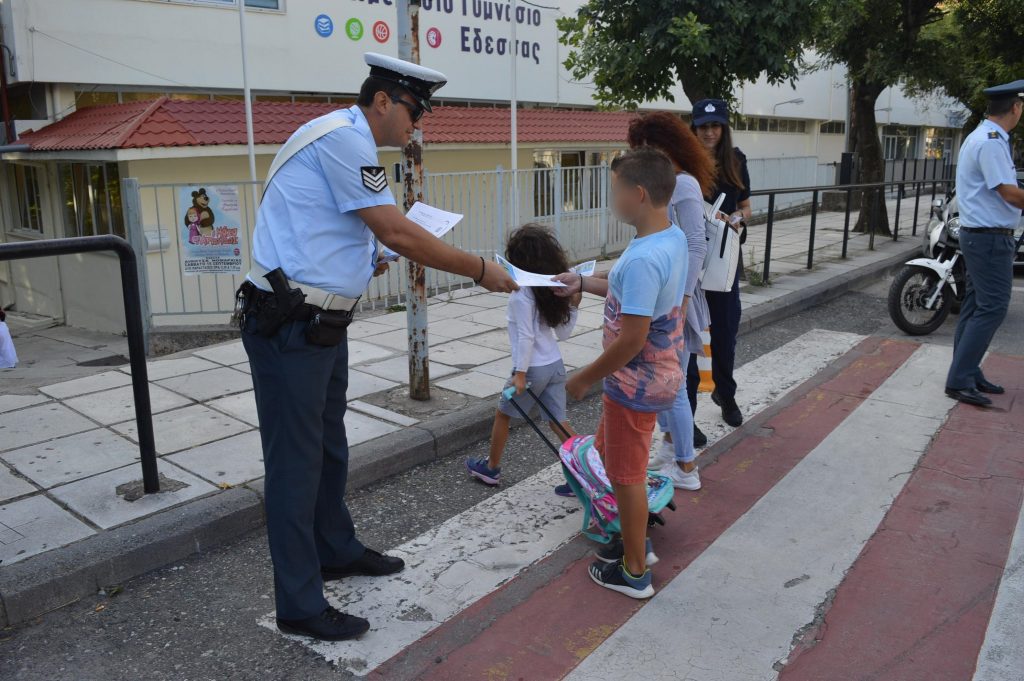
873 214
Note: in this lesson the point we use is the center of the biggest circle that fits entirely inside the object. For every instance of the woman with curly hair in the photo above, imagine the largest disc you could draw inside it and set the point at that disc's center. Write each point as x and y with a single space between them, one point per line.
695 175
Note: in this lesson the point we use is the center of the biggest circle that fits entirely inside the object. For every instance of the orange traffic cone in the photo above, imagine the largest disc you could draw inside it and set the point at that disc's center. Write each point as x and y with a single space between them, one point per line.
707 385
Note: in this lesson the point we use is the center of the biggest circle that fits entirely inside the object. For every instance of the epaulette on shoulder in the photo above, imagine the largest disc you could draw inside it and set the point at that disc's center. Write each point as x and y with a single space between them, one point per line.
993 135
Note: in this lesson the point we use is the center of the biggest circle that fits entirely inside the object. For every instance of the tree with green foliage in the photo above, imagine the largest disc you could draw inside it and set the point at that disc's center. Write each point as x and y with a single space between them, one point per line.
636 51
882 43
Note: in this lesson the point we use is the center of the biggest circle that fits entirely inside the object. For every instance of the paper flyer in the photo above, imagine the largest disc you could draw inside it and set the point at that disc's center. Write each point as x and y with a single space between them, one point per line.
211 235
436 221
585 269
524 278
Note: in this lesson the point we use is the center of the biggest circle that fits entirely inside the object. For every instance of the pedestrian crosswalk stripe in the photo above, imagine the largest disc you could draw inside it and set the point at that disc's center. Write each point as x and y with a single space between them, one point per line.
462 560
736 607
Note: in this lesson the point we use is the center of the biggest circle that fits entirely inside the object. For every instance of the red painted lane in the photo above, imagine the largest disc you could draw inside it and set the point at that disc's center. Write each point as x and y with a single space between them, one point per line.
916 604
546 635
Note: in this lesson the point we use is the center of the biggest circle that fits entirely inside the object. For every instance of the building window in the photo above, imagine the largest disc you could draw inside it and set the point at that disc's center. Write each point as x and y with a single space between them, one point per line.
833 128
899 142
764 124
27 198
91 195
938 142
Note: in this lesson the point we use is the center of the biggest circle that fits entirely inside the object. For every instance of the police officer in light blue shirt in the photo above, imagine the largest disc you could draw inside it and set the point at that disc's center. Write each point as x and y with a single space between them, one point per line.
990 203
327 201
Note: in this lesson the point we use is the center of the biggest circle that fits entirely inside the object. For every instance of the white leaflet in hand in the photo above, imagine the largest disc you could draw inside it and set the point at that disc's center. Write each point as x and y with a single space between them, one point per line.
585 269
524 278
436 221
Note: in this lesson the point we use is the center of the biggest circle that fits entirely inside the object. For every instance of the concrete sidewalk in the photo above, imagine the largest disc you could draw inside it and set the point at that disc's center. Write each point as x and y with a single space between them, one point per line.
70 522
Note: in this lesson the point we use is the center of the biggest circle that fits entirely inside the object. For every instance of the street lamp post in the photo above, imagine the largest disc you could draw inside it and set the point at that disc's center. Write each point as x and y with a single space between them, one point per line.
408 21
798 100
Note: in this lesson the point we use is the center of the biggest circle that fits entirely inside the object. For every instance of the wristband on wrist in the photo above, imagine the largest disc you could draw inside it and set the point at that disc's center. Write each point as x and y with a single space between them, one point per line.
581 283
483 269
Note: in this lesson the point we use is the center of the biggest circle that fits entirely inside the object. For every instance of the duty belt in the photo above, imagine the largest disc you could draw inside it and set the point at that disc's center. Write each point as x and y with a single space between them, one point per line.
317 297
998 231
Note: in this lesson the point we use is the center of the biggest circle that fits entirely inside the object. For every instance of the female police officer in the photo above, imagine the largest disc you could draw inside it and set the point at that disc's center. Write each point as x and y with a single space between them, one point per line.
326 199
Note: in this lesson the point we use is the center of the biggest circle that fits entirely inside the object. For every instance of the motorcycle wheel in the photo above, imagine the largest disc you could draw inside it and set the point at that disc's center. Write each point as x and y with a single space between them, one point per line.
911 287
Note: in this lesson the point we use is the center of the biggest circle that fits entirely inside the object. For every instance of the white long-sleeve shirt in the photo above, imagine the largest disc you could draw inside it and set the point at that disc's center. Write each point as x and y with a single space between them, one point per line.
533 342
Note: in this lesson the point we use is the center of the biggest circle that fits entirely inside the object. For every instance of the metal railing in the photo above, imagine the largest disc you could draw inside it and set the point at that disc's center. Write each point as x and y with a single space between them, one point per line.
868 191
133 320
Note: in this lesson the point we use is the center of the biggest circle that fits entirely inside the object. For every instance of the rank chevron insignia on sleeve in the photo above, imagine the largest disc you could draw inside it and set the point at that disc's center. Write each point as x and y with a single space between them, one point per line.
374 178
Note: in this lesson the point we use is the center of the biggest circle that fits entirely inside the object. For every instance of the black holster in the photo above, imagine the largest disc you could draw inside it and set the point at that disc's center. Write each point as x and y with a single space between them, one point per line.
263 313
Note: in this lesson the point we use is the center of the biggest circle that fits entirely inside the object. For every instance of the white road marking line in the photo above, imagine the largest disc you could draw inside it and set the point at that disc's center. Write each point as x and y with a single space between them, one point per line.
730 615
470 555
1002 655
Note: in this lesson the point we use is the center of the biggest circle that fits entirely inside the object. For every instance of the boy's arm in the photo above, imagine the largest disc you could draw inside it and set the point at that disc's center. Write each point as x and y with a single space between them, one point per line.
624 348
596 284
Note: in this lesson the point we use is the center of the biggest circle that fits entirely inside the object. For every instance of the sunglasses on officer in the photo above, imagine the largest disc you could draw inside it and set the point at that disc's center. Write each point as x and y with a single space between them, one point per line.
415 110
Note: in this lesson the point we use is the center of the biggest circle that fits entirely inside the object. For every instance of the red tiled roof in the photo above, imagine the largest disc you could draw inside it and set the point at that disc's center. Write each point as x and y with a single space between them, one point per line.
181 123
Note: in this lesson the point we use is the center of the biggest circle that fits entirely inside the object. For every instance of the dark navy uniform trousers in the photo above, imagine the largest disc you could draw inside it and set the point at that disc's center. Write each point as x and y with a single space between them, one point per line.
989 258
724 308
300 399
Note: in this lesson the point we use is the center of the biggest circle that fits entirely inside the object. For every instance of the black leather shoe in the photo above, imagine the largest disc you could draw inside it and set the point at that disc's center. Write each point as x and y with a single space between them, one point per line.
699 438
731 413
986 386
969 396
370 564
330 625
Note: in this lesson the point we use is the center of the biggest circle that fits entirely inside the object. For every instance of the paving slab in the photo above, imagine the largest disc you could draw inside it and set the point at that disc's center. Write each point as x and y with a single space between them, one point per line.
496 339
591 339
501 368
12 486
187 427
113 406
95 498
35 525
395 320
496 317
241 406
474 383
463 355
233 461
360 428
167 368
87 384
361 384
73 457
397 369
451 310
206 385
227 353
455 329
382 413
360 352
38 424
12 402
362 328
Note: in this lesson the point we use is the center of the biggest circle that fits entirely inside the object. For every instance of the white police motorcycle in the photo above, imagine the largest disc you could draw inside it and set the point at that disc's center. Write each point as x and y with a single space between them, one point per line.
927 289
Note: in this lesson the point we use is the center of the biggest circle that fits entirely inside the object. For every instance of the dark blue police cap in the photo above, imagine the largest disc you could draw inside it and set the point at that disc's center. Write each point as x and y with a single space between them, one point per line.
710 111
1006 90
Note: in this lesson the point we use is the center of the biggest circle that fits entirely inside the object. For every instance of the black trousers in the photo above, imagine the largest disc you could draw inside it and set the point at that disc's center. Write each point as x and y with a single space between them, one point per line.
300 400
725 311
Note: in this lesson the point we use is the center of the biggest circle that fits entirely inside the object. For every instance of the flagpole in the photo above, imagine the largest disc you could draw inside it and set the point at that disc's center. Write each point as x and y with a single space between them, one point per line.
247 96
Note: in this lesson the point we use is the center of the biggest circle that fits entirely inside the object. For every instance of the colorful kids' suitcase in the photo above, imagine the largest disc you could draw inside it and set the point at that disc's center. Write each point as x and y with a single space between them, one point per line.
584 471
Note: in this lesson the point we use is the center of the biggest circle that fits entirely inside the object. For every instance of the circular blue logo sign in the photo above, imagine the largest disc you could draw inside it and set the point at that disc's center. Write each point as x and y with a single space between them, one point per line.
323 25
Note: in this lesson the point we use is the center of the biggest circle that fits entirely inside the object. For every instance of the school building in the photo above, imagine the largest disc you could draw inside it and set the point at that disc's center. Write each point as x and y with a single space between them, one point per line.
97 93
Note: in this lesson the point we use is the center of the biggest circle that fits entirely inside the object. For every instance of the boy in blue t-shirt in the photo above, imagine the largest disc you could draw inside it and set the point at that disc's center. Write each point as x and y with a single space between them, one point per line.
643 341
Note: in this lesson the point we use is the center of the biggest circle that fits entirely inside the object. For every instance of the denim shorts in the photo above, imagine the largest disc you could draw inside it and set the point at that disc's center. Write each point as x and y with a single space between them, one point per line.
548 383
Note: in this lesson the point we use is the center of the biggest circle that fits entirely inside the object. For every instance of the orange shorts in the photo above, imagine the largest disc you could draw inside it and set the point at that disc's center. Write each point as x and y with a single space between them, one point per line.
623 438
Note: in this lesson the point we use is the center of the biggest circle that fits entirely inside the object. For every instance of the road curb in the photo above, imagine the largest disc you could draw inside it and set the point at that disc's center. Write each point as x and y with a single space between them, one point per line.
51 580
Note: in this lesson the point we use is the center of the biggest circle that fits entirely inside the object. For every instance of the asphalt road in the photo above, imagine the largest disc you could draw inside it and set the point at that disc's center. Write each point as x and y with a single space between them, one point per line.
197 619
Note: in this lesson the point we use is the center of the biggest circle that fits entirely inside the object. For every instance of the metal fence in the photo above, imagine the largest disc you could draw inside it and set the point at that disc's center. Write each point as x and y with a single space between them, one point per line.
572 201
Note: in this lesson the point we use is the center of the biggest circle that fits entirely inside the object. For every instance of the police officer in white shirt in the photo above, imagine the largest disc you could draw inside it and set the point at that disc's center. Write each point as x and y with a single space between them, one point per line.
990 204
314 251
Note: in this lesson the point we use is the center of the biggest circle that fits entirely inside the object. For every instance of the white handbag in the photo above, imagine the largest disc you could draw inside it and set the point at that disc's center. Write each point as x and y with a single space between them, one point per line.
723 254
8 357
